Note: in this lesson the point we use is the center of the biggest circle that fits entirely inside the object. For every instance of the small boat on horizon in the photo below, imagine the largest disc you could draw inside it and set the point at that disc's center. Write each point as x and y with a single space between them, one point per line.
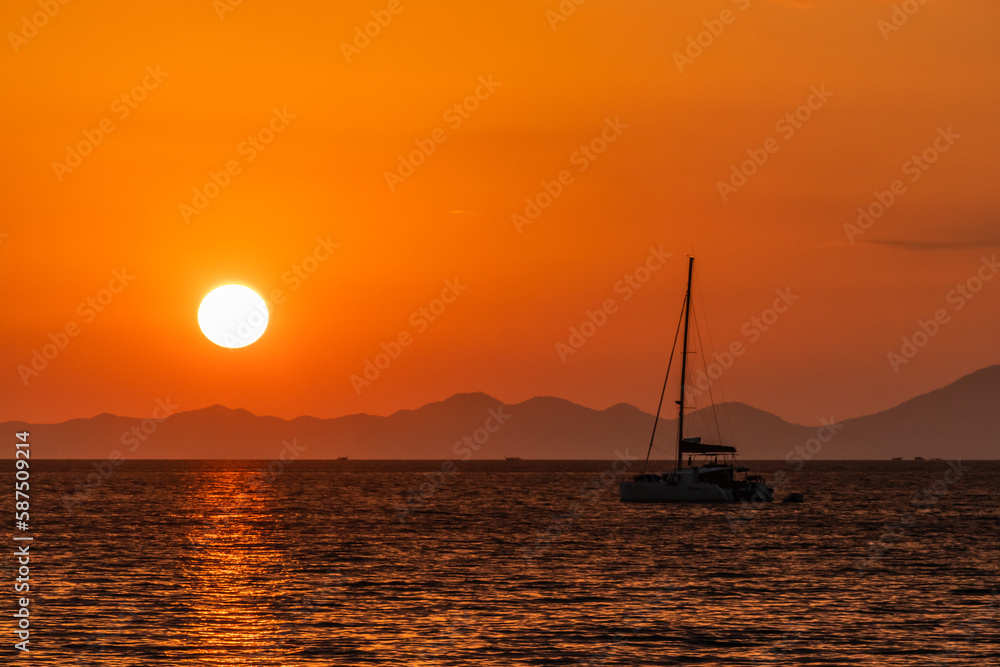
513 458
709 480
341 458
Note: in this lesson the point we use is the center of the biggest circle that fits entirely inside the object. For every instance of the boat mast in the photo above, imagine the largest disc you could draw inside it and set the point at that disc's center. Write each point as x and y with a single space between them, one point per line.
684 352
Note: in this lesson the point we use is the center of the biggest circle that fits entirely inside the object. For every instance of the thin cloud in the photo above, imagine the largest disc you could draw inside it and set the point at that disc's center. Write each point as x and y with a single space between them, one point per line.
935 245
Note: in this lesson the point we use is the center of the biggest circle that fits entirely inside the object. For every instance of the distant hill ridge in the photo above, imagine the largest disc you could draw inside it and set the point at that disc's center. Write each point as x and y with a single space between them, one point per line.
961 420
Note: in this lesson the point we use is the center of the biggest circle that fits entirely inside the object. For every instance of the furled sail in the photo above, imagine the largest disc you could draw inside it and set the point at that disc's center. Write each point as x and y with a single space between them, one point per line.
694 446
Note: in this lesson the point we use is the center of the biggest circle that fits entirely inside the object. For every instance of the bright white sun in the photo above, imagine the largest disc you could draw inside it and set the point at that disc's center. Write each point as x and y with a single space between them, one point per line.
232 316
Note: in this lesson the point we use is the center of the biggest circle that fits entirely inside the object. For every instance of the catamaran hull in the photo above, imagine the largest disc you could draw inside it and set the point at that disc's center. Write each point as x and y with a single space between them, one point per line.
662 492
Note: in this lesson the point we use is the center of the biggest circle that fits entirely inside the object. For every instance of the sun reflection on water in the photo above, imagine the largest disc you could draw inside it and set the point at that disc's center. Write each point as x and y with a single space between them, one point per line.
232 568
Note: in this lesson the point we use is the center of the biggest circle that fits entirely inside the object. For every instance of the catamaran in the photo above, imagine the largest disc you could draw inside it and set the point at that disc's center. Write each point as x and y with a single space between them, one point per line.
706 479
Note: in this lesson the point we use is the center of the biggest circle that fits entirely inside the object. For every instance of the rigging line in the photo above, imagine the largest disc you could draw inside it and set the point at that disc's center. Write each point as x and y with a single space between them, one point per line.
722 389
704 364
708 379
663 392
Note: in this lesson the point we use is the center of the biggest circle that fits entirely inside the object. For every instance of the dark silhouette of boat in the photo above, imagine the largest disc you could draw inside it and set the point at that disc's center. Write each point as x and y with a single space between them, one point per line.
709 481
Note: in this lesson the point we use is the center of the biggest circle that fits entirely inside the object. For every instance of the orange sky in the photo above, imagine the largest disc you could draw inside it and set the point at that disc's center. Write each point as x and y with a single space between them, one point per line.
345 118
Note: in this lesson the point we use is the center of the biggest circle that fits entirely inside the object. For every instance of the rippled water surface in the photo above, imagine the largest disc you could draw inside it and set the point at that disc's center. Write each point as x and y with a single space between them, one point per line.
508 563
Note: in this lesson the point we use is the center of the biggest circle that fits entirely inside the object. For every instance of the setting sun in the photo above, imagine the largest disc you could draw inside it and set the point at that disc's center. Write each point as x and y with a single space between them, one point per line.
233 316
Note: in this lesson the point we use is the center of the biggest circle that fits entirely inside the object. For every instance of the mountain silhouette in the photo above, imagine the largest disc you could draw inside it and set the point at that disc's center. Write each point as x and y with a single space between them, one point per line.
959 421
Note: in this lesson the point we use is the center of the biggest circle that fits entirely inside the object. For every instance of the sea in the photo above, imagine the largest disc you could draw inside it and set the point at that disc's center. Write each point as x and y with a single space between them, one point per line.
502 563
